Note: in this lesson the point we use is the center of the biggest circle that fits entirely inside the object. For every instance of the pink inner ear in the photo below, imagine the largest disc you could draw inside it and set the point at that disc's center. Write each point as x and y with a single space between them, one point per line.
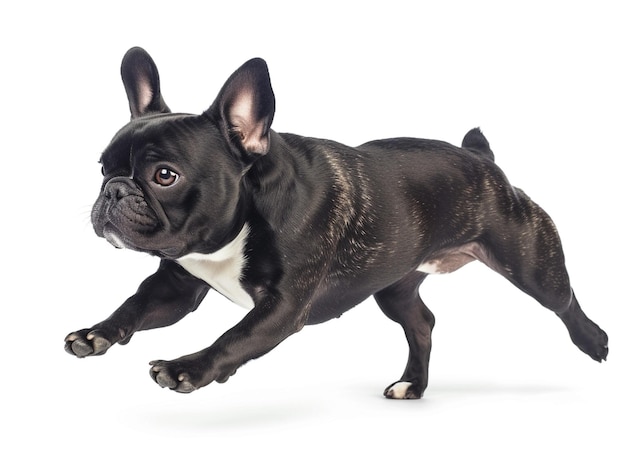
145 94
242 118
242 108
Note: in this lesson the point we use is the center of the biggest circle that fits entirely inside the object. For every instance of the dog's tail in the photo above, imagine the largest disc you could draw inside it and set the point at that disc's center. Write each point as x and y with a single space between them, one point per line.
475 140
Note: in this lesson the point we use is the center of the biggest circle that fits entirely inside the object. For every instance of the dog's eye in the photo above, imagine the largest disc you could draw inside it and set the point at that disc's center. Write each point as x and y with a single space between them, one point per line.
165 177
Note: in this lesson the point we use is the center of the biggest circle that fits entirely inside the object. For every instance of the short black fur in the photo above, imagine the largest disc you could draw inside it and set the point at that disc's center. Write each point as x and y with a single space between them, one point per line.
301 230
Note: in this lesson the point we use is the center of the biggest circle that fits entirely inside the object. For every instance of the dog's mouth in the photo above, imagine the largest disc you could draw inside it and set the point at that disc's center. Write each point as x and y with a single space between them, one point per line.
124 221
121 239
127 223
129 218
113 238
154 245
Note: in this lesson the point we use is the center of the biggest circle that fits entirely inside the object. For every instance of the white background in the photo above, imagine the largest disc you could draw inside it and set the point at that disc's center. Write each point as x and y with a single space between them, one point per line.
508 390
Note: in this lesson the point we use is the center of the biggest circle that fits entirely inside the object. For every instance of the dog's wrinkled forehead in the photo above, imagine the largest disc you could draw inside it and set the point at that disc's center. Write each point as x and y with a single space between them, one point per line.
162 137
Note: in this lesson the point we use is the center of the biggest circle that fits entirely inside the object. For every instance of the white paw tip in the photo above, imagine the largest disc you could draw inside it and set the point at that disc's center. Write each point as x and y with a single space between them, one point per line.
398 390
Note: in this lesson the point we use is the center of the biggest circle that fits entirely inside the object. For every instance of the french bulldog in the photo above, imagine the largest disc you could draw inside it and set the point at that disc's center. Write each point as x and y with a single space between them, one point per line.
299 230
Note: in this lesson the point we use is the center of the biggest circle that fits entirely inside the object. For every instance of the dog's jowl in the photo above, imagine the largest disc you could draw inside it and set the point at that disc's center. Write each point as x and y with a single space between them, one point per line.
299 230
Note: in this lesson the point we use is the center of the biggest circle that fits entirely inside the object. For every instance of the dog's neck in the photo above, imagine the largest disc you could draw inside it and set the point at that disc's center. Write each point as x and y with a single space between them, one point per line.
284 176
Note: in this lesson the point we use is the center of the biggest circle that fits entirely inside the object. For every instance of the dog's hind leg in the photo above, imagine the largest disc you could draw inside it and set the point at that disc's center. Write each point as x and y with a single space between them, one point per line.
526 249
402 303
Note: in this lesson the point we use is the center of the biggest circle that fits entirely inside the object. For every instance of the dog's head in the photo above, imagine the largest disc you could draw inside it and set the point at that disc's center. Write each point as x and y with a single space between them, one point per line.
173 182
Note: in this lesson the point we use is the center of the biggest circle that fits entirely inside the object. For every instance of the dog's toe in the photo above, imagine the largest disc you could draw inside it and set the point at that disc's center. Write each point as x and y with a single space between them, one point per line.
168 378
162 377
78 347
87 342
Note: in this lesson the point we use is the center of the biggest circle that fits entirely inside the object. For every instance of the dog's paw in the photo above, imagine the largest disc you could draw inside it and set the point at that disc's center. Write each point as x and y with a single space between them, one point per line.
590 339
404 391
87 342
173 375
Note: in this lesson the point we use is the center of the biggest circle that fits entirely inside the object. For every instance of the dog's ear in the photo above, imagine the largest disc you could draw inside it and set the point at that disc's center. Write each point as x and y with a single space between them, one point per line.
244 109
141 81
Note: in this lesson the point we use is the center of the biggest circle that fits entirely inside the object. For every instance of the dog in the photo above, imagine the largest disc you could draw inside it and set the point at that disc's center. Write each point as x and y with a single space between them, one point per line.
299 230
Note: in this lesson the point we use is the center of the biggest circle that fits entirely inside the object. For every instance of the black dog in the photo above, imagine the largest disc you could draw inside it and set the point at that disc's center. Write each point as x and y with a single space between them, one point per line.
299 230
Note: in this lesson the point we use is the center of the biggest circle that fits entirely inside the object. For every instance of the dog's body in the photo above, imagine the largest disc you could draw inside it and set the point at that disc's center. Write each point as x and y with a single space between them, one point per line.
299 230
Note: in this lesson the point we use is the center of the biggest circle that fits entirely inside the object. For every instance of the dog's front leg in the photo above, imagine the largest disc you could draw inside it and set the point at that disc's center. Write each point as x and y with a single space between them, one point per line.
161 300
262 329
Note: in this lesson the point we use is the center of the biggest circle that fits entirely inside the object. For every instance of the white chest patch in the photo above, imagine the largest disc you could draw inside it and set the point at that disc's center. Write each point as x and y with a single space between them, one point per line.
222 269
428 268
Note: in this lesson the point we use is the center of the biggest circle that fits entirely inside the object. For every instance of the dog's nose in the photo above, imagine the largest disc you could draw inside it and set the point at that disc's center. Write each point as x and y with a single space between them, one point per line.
118 188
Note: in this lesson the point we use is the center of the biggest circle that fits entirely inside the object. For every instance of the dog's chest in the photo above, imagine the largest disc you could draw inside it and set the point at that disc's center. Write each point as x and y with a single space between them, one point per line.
222 269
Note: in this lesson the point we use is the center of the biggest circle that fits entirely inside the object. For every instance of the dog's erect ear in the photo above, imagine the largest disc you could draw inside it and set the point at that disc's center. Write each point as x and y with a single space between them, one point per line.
141 81
245 107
